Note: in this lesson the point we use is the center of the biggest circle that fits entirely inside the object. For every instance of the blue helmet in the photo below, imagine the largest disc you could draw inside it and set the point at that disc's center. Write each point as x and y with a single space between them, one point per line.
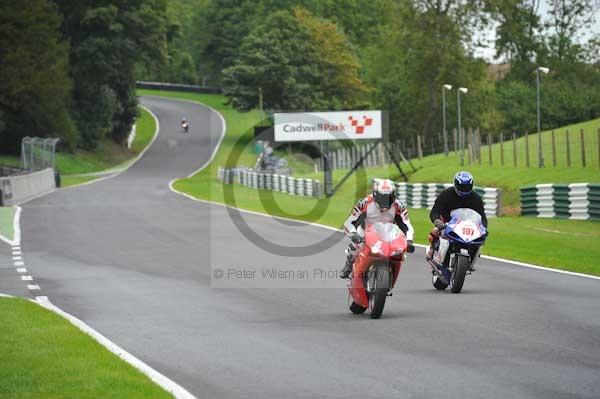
463 183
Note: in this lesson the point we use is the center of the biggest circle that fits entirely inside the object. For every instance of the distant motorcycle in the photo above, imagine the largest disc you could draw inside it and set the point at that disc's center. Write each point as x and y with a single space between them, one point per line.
464 235
185 125
376 268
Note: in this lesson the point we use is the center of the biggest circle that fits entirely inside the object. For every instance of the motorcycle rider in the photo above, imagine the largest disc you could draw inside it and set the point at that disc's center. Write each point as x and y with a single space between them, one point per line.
184 123
381 206
461 195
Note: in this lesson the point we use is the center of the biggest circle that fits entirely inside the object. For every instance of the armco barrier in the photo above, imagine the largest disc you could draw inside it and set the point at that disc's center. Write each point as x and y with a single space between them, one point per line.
267 181
177 87
423 195
21 188
572 201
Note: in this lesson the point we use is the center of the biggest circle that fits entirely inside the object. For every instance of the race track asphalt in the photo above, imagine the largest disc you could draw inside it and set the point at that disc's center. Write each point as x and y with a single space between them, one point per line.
134 260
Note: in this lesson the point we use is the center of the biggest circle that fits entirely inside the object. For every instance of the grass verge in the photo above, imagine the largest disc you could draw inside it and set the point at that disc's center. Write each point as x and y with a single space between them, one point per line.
524 239
7 216
440 169
45 356
82 166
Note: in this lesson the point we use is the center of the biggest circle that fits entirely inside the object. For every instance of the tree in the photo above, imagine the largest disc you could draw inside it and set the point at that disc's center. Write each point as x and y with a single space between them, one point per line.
277 57
218 31
34 82
567 20
339 67
107 39
414 57
518 30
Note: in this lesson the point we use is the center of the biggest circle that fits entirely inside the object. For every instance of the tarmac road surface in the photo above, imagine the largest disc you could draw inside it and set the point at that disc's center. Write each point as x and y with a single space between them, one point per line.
134 260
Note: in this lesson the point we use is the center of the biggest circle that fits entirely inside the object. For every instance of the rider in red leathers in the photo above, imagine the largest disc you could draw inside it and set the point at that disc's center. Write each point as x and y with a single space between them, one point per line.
381 206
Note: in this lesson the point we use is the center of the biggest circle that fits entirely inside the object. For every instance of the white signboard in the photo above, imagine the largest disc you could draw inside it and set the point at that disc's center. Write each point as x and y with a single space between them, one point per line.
314 126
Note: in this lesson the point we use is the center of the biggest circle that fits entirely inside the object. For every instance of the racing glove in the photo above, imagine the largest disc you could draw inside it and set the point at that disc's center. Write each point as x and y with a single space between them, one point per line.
439 224
356 238
411 248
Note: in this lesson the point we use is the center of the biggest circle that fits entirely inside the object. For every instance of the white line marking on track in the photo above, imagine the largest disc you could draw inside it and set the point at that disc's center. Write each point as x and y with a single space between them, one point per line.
16 241
17 258
547 269
511 262
19 263
17 253
169 385
133 161
33 287
21 270
27 278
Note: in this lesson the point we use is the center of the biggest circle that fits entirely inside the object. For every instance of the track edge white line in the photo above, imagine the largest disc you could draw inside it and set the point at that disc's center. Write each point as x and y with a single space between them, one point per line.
213 155
160 379
132 162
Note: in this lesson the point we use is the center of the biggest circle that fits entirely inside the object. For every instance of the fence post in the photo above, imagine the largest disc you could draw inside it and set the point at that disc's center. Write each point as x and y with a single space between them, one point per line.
469 145
514 149
502 149
445 142
454 139
479 146
490 147
553 149
582 138
568 149
419 149
540 151
526 149
432 145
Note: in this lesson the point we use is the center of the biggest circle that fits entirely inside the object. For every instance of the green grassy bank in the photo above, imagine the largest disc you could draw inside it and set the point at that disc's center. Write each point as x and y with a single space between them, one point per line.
524 239
44 356
81 166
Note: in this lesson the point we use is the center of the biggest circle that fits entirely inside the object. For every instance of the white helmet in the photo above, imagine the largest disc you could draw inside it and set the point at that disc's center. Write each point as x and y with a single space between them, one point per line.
384 193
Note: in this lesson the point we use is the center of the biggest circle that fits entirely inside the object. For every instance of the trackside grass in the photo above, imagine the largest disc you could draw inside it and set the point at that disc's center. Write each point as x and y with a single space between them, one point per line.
564 244
80 167
7 215
440 169
509 178
74 167
44 356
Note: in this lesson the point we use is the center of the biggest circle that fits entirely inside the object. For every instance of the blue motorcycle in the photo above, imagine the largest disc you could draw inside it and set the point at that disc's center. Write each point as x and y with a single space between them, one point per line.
457 249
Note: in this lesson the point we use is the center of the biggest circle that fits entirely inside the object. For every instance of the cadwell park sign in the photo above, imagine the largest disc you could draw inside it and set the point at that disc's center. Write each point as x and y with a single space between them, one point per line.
315 126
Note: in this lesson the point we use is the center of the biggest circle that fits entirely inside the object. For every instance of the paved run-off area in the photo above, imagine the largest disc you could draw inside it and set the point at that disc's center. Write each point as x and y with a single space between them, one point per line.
134 260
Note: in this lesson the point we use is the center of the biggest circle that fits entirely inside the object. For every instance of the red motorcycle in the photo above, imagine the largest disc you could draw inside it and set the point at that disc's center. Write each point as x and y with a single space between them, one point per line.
376 268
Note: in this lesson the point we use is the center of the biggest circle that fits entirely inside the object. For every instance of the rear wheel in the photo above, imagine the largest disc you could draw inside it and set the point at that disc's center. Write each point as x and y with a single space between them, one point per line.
379 295
355 307
438 283
459 272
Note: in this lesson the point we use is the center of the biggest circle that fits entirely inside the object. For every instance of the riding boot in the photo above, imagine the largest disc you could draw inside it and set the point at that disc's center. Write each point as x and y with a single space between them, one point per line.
347 270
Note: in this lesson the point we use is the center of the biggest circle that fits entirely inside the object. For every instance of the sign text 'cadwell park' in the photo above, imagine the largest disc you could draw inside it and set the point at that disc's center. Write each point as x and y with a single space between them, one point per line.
314 126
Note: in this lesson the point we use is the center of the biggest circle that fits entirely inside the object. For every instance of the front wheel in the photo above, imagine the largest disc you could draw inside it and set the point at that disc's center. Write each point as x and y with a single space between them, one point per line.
379 295
355 307
459 272
438 283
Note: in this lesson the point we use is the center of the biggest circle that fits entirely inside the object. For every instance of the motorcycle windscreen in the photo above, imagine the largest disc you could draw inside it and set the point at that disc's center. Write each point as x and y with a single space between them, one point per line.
466 214
466 223
387 232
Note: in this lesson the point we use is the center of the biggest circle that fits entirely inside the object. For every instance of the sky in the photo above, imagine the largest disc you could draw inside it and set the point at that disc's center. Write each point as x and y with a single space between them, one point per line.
488 52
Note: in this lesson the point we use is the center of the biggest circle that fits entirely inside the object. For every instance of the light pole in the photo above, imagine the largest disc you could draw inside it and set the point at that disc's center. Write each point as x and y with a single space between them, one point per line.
461 138
446 87
539 125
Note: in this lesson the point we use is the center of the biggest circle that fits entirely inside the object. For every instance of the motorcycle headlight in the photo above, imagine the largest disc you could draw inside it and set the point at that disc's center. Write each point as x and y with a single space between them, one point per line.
374 250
